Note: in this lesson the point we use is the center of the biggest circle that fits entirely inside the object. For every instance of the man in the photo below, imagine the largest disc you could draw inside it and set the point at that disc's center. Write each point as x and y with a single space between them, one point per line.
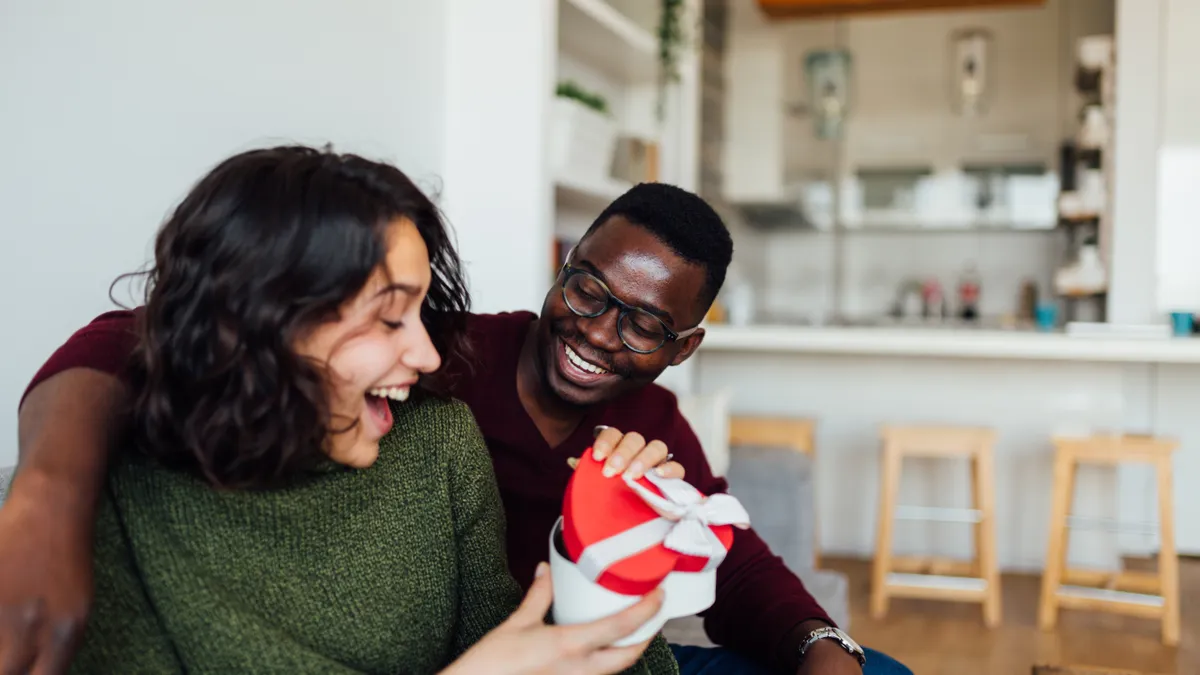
625 306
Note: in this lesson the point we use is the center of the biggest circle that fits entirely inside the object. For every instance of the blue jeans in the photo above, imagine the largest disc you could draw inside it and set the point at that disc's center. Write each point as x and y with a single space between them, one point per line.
720 661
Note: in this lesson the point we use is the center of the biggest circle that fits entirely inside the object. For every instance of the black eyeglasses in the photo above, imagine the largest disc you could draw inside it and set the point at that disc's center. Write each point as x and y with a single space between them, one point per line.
639 330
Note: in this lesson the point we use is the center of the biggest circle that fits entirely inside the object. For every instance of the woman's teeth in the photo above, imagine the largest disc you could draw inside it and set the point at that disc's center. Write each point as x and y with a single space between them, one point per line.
583 365
394 393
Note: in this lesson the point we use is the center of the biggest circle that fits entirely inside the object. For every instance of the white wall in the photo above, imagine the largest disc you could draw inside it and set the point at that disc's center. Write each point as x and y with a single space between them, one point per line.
1137 129
1154 234
110 110
1178 235
497 190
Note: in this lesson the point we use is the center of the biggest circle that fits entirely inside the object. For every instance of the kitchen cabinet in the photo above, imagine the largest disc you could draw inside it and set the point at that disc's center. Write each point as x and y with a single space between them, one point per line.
798 9
906 157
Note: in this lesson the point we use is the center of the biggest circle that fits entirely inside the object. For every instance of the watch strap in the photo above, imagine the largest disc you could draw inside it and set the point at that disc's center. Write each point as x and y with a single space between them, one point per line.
839 637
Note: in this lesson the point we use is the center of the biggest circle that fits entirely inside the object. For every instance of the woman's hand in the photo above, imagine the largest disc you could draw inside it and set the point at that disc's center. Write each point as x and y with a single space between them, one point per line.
631 454
525 645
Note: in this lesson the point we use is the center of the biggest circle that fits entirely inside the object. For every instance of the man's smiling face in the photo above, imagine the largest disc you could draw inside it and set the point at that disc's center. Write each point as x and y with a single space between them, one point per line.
583 360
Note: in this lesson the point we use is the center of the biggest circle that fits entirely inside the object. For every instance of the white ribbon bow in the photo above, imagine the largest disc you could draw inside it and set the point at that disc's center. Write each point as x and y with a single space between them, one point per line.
683 525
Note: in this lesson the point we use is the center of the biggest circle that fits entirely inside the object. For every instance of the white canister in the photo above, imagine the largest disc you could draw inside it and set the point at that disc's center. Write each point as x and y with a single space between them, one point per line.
582 143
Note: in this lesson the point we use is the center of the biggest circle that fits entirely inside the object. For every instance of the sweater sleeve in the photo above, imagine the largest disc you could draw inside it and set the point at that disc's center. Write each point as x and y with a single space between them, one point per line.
123 630
759 600
487 592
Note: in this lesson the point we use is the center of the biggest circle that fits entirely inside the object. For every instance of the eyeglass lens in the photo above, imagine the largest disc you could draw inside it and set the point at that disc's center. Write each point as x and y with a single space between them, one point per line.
640 330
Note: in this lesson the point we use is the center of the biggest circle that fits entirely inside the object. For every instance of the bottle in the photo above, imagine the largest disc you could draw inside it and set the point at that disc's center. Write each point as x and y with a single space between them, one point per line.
1027 302
968 294
933 300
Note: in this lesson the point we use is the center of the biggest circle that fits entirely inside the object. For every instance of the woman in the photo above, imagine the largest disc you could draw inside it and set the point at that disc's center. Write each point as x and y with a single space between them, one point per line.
291 501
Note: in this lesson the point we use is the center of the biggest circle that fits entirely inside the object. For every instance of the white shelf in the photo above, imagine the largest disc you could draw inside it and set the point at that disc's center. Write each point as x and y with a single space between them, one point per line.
601 37
588 195
948 343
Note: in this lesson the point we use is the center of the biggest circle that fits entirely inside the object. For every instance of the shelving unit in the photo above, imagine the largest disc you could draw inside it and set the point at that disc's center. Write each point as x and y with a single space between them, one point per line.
595 32
574 193
611 48
1093 220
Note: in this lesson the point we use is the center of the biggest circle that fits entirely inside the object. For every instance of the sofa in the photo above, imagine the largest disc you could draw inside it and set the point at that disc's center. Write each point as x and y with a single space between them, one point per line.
776 487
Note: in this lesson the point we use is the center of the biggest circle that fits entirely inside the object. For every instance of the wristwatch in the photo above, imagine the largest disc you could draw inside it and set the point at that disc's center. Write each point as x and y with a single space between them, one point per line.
839 636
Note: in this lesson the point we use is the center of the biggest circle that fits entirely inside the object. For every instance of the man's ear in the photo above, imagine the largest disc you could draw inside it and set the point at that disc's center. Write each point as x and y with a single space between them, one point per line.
690 343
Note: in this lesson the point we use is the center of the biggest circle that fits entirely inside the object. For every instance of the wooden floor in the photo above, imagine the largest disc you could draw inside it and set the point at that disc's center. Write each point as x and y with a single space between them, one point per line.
937 638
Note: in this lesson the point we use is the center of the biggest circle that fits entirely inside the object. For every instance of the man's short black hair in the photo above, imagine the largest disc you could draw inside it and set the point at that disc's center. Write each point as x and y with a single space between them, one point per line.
684 222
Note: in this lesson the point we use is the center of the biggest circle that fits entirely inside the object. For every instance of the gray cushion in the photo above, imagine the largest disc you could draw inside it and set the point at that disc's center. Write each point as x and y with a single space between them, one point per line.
776 487
6 473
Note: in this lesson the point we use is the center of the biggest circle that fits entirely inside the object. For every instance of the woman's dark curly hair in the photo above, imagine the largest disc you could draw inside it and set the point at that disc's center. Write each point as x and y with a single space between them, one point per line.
266 247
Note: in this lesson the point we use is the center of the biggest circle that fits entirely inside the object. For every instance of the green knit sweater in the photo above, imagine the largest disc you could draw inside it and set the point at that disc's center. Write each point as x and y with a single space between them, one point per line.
398 568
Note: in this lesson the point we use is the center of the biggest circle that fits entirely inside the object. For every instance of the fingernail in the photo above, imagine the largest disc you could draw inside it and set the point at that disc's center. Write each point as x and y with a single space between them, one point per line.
614 466
662 471
636 470
599 453
572 462
541 570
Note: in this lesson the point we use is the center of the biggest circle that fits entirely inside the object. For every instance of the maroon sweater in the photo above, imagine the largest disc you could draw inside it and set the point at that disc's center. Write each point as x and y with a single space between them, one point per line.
758 599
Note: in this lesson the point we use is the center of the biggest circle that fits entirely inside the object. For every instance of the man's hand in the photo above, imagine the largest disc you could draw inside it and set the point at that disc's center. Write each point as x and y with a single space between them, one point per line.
631 454
45 580
825 657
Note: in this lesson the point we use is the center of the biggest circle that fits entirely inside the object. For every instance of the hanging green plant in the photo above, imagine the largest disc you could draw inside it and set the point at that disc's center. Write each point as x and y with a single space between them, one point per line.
572 90
670 42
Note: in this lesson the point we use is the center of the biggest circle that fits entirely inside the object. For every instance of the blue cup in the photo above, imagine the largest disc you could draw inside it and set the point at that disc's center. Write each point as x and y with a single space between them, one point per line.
1045 315
1181 324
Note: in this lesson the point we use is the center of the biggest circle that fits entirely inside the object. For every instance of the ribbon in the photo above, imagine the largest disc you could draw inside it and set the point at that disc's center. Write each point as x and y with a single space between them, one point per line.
684 525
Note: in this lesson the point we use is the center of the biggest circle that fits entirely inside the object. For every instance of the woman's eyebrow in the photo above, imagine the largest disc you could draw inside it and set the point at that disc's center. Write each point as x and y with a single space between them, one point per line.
411 289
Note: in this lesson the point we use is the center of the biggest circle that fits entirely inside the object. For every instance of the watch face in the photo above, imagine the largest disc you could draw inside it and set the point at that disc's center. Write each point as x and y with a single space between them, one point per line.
850 641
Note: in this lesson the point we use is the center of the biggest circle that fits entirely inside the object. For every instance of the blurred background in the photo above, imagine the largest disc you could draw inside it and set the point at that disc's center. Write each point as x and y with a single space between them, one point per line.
964 231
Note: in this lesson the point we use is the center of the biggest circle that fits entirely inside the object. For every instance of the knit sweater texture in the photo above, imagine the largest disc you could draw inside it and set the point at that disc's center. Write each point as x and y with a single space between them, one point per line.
397 568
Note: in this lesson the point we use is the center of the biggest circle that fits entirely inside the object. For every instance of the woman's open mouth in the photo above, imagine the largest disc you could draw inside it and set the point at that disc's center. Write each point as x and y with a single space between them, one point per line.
379 408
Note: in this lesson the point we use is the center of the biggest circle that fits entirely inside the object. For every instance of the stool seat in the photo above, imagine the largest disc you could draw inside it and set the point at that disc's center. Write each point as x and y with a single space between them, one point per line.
1141 594
976 580
939 441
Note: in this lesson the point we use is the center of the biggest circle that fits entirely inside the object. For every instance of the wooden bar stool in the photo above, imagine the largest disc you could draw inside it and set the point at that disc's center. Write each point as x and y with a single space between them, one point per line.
976 580
1142 594
786 432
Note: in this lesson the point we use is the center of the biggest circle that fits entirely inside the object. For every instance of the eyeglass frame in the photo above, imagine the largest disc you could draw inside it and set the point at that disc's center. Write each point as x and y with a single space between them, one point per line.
623 310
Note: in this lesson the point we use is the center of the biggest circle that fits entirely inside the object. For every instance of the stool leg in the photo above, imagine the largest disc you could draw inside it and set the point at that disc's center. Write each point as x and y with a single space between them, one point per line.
816 516
985 533
977 529
1056 548
890 483
1168 558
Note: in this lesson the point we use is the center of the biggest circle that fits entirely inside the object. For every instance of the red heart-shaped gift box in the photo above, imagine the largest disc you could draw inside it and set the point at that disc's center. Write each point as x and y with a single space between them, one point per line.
596 508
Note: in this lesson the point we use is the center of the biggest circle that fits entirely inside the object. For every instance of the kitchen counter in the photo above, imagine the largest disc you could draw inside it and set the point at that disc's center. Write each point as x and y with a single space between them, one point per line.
1027 386
950 342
